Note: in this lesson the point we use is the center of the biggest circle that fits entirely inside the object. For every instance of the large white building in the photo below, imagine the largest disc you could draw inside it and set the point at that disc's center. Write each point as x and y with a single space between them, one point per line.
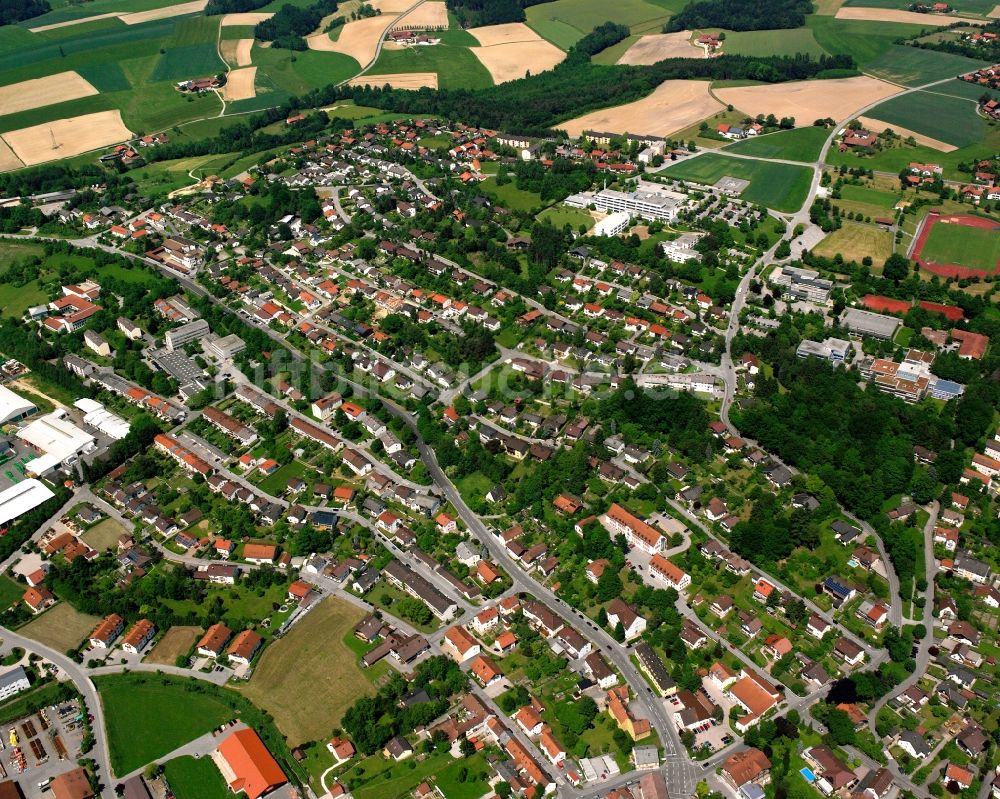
101 419
648 201
14 407
22 497
57 440
612 224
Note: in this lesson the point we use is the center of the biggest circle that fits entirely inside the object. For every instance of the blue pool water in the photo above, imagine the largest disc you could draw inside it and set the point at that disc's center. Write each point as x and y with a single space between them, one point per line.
807 773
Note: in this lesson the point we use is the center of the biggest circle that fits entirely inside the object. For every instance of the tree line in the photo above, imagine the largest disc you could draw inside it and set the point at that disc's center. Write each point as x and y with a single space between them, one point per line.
12 11
473 13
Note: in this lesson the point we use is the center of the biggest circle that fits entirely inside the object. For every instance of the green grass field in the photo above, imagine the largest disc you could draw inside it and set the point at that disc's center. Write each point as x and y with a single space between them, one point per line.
801 144
299 665
298 72
148 720
92 8
777 42
195 779
982 7
565 22
911 66
966 246
560 215
456 67
511 196
782 187
864 40
942 117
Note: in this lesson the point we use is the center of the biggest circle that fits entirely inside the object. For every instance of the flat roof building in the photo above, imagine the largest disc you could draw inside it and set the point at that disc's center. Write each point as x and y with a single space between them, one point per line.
14 407
872 325
22 497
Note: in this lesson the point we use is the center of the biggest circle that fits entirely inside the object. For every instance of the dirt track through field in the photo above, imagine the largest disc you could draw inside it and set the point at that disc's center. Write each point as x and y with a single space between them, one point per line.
898 15
404 80
73 136
657 46
358 39
673 106
877 126
240 84
809 100
509 51
39 92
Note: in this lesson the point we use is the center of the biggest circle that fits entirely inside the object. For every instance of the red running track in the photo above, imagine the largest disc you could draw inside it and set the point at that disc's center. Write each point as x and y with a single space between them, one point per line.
951 270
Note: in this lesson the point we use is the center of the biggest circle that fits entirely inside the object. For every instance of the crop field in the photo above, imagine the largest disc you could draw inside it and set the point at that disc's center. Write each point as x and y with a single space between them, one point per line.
297 73
565 22
806 101
911 66
656 46
854 241
91 9
456 67
776 42
60 627
866 41
942 117
801 144
298 665
782 187
147 719
975 248
982 7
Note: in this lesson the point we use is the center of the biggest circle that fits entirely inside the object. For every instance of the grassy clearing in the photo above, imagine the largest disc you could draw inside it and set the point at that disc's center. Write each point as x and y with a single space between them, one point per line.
61 627
149 720
779 186
966 246
943 117
910 66
776 42
104 534
854 241
456 67
298 665
801 144
176 641
195 779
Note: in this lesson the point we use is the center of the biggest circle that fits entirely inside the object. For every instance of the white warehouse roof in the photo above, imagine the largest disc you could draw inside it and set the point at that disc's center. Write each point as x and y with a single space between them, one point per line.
22 497
55 435
100 418
13 406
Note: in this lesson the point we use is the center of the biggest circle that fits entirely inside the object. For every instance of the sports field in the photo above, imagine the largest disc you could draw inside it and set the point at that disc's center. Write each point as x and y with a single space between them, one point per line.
975 248
147 719
949 119
300 665
782 187
60 627
801 144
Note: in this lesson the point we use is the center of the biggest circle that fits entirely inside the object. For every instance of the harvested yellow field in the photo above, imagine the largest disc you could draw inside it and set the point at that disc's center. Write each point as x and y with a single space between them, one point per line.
358 39
245 18
138 17
512 61
69 22
994 13
426 16
490 35
898 15
240 84
391 6
8 160
854 241
49 90
673 106
809 100
877 125
73 136
657 46
404 80
236 51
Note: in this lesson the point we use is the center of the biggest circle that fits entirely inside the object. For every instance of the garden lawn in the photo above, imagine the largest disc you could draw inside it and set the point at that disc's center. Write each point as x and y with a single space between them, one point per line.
801 144
195 779
966 246
782 187
472 787
301 664
560 215
148 720
10 592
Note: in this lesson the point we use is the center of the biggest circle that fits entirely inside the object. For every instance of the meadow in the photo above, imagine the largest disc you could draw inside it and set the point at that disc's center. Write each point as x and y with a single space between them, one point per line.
942 117
776 42
977 248
195 779
910 66
800 144
565 22
982 7
147 720
782 187
854 241
866 41
456 66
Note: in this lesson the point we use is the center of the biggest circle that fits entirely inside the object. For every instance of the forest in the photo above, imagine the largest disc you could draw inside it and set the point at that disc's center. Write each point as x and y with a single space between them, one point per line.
473 13
216 7
739 15
287 27
12 11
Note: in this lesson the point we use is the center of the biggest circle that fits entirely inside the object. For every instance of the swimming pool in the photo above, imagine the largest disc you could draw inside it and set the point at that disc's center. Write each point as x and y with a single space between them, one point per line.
806 772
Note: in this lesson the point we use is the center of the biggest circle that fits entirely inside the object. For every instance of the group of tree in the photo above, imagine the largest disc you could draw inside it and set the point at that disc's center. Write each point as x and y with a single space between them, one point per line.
739 15
473 13
287 27
13 11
